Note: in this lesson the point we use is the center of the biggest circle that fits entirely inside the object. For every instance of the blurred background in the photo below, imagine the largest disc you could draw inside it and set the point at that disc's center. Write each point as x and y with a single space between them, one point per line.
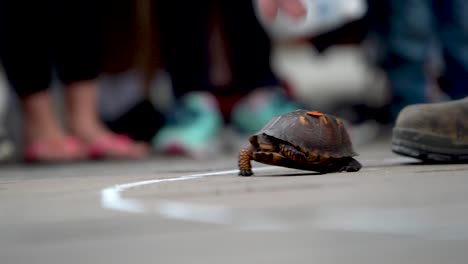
193 78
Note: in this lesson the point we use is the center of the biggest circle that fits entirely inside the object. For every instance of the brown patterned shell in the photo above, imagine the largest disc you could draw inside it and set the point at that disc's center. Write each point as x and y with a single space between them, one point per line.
312 131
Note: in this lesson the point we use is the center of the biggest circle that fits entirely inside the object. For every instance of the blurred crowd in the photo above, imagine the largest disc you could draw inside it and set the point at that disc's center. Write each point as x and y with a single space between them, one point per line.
217 65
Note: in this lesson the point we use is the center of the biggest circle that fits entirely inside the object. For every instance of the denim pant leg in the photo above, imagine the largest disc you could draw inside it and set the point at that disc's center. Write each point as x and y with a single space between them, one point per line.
408 42
452 29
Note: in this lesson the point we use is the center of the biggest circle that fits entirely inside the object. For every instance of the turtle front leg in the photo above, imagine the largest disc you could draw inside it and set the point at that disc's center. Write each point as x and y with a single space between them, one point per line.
245 167
293 154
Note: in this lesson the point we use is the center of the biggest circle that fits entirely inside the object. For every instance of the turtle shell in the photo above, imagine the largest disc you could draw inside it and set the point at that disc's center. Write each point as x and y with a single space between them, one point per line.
312 131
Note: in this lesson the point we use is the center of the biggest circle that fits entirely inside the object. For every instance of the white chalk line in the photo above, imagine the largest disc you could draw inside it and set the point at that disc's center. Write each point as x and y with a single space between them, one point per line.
403 221
111 197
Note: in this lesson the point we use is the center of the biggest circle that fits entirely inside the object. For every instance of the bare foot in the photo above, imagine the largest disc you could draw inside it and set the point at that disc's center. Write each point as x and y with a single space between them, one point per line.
44 138
85 124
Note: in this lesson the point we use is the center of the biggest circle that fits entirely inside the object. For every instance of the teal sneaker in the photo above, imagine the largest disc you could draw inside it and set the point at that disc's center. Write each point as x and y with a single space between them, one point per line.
194 127
252 112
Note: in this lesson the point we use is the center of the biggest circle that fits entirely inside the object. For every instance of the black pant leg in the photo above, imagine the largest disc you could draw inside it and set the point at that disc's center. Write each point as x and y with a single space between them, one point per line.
77 39
249 45
24 45
184 27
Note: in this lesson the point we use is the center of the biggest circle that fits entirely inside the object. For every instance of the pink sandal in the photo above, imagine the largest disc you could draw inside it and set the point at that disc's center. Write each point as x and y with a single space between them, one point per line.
117 146
68 149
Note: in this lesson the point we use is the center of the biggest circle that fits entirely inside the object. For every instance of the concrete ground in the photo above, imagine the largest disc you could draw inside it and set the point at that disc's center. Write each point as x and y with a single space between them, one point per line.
171 210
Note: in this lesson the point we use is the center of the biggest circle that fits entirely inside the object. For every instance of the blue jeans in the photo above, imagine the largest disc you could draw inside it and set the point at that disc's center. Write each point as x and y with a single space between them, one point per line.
412 27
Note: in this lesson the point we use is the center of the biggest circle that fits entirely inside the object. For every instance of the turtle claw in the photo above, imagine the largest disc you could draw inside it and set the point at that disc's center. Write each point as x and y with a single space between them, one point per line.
352 166
245 173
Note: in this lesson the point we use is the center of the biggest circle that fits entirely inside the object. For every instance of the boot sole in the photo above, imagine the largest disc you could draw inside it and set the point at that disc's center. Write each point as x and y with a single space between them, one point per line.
428 147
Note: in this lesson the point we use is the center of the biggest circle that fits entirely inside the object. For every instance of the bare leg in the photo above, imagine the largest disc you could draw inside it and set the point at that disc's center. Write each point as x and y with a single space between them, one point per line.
84 122
81 107
40 121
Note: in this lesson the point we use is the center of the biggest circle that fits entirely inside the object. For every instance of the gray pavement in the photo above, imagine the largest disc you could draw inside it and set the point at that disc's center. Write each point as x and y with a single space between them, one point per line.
169 210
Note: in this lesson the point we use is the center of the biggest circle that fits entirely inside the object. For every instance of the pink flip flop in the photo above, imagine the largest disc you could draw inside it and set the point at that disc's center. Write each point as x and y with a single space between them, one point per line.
68 149
116 146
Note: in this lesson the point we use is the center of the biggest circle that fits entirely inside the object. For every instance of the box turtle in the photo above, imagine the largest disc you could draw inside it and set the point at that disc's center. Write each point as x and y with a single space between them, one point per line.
307 140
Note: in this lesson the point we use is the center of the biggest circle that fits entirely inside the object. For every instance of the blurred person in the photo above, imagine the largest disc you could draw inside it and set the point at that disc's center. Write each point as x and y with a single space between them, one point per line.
415 29
37 37
195 123
431 132
129 63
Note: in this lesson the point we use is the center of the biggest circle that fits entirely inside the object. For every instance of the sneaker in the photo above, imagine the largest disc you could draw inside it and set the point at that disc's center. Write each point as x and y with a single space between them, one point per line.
436 132
194 127
251 113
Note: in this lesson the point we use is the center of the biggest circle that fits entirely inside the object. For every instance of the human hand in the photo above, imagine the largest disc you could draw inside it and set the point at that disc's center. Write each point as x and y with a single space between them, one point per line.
293 8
